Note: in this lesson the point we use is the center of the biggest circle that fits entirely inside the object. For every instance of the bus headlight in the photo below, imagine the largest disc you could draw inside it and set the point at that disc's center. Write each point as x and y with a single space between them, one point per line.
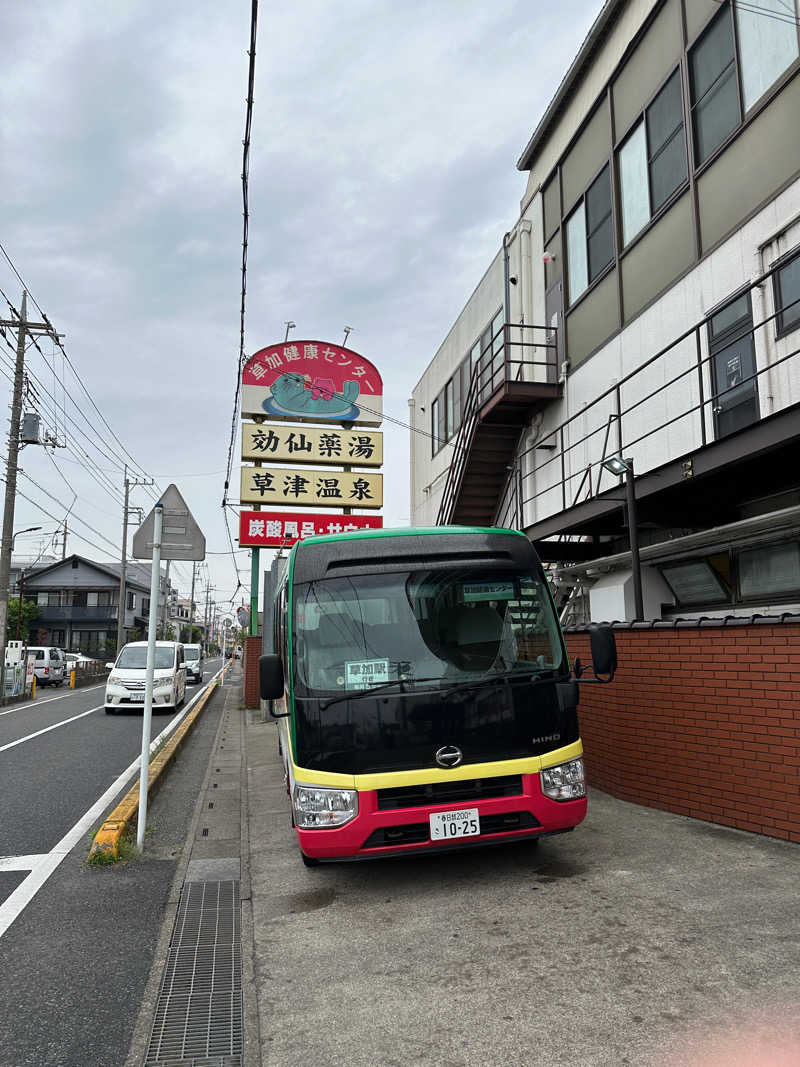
316 808
566 781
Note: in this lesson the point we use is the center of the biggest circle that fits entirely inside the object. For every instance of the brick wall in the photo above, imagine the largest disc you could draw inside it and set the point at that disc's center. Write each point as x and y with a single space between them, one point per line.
252 650
700 720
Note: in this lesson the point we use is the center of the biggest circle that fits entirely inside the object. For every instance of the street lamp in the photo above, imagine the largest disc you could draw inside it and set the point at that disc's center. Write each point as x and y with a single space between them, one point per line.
619 466
30 529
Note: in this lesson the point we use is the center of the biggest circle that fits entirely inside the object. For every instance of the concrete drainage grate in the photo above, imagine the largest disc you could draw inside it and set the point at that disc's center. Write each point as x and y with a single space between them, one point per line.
198 1019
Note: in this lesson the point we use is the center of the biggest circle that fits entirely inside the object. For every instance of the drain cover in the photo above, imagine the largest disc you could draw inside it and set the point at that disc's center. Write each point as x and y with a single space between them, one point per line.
198 1019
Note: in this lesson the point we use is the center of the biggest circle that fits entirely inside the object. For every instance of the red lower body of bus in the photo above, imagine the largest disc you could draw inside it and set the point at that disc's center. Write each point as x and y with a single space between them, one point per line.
399 831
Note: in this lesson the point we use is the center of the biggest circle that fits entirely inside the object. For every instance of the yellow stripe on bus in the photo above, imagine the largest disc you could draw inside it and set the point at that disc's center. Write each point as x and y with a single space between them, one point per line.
396 779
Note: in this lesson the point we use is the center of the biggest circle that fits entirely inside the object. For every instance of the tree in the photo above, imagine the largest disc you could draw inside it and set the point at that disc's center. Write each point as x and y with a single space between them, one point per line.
30 612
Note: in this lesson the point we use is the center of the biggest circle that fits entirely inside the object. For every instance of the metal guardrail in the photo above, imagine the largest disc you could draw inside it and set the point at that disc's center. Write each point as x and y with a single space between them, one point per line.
612 407
496 366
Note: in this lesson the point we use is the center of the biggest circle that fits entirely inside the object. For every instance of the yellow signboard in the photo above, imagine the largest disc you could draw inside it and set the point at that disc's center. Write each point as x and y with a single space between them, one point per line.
278 443
309 488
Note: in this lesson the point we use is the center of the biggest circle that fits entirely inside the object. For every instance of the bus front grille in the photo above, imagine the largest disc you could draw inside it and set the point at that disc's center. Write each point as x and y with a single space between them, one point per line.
419 832
469 790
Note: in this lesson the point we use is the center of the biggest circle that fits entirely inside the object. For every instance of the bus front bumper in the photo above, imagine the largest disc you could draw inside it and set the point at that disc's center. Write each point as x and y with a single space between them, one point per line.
378 832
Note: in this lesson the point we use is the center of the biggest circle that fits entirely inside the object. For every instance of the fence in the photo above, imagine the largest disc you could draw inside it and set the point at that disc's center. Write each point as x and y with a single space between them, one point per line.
702 719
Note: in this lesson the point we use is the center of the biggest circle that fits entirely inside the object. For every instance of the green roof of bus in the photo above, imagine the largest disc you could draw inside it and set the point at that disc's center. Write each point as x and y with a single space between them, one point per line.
407 531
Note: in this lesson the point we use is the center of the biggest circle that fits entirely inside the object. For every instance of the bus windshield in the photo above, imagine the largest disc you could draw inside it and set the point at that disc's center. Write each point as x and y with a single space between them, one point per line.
450 626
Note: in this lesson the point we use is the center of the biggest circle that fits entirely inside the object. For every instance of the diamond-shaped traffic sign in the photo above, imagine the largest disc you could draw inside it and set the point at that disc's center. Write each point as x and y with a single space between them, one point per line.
181 537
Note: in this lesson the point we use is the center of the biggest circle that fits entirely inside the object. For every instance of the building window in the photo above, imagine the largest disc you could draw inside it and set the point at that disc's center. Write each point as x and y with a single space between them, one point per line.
769 571
436 443
695 582
448 408
145 605
767 46
130 601
715 93
786 283
767 36
590 240
652 162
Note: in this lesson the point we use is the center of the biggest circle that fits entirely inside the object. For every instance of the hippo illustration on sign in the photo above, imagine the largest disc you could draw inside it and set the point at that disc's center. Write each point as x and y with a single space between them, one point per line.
312 381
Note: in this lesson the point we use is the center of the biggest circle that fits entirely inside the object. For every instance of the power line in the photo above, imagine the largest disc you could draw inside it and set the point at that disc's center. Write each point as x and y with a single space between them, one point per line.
245 228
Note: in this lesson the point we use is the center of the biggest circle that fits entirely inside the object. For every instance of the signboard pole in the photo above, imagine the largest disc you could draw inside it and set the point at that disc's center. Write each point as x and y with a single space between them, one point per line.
144 771
254 579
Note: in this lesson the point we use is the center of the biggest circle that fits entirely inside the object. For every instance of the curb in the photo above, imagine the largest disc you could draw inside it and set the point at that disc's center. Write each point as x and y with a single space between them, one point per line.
108 837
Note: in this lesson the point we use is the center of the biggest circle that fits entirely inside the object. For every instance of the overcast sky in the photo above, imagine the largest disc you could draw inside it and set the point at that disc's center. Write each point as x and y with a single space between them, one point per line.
382 178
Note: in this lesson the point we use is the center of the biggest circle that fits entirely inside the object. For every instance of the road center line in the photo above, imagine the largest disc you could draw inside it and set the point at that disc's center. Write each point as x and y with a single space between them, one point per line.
17 901
47 729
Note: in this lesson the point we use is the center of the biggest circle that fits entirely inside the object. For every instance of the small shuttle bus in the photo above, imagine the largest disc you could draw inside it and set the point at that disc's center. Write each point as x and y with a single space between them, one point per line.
424 693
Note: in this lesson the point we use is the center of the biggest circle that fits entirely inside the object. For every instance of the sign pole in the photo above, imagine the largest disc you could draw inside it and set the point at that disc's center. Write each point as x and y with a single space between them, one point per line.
144 772
255 575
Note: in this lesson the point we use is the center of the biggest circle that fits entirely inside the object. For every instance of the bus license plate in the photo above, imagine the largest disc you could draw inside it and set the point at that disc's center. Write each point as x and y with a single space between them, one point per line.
449 825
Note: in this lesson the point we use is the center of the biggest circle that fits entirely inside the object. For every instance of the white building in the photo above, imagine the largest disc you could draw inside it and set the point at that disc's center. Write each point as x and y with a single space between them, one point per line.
641 306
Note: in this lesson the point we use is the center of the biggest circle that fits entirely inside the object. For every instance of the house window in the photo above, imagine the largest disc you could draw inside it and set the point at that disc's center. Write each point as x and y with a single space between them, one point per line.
590 240
145 605
767 46
786 283
130 601
652 162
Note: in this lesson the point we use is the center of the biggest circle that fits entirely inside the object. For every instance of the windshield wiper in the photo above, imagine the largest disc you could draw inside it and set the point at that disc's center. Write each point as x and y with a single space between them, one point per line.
508 677
375 689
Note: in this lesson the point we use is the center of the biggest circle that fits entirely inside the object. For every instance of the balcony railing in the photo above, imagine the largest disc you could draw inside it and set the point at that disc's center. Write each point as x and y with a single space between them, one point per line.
671 405
75 613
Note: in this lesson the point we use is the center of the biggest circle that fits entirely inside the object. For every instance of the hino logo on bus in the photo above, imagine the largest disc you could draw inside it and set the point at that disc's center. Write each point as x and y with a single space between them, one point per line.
449 756
545 737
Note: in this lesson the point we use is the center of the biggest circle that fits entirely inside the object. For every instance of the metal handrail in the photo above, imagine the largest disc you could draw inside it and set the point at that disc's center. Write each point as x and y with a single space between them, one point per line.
480 391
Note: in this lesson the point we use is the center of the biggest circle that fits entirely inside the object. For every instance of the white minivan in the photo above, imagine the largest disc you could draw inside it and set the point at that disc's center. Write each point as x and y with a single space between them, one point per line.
49 665
126 683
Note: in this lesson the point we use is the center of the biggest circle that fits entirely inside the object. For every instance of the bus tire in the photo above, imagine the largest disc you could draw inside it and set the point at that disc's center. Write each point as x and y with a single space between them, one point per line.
308 861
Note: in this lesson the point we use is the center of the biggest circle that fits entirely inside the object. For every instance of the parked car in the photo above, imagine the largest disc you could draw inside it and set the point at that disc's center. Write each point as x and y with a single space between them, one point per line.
193 654
49 664
125 687
77 660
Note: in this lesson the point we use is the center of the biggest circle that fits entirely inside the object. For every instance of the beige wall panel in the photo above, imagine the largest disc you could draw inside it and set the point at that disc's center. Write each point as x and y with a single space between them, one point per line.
586 157
552 270
661 255
658 52
758 163
698 12
279 443
298 487
592 321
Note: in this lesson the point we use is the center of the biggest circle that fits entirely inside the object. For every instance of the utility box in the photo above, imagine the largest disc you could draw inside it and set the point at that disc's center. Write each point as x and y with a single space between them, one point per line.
30 428
13 653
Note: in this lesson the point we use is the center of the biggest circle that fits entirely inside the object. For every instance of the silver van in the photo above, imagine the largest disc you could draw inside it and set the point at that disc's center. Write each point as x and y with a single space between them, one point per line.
49 664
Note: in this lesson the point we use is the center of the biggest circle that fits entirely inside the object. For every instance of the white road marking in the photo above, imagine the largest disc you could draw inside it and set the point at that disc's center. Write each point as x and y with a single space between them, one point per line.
47 729
39 703
21 863
16 902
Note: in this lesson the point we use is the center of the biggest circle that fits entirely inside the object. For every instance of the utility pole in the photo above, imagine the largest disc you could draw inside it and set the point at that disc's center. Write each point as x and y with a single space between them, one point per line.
23 328
166 604
191 607
122 603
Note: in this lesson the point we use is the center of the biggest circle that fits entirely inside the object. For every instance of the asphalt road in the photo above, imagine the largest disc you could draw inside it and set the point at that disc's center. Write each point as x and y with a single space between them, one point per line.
75 960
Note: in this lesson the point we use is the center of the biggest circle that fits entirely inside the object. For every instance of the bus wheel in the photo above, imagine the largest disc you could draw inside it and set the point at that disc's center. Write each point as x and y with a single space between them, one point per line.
309 861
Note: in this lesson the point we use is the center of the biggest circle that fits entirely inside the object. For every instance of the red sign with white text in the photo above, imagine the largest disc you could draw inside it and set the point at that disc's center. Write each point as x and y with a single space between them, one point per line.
273 529
312 381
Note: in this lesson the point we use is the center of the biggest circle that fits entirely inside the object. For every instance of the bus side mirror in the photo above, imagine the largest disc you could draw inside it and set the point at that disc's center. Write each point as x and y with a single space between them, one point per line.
604 651
270 677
